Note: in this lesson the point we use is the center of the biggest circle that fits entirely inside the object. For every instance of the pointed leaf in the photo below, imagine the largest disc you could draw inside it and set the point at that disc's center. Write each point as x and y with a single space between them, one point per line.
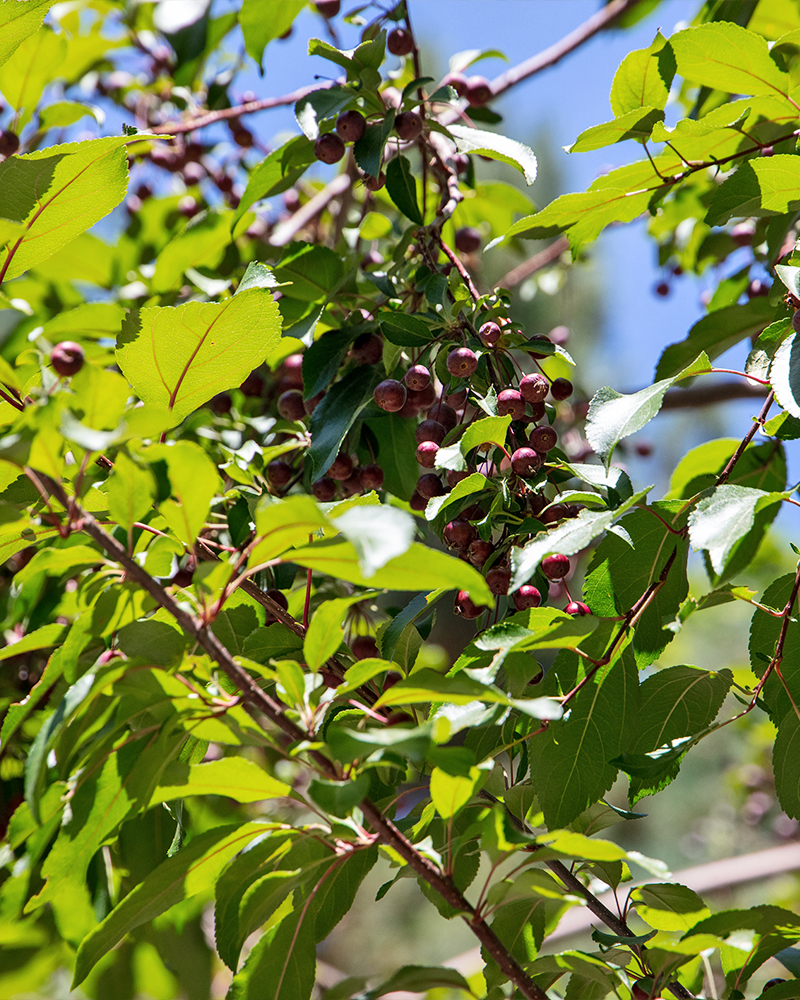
496 147
18 21
786 764
234 777
643 78
402 188
635 124
724 56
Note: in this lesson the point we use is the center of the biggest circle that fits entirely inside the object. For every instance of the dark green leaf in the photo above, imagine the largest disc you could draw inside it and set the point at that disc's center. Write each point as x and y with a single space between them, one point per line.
318 105
786 764
335 415
339 798
281 169
402 188
368 151
322 359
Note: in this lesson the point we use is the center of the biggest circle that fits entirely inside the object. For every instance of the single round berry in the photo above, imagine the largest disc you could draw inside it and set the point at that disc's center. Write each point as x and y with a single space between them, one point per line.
417 502
479 551
67 358
399 42
662 289
561 389
465 607
350 126
456 399
445 414
9 143
578 609
527 597
423 398
757 288
458 82
341 467
458 534
555 512
184 576
390 395
364 646
644 449
408 125
454 477
429 486
490 333
278 597
537 503
526 462
534 388
374 183
543 438
556 566
467 239
291 406
479 91
511 404
537 412
371 477
430 430
328 8
498 580
292 370
351 486
462 362
279 472
426 454
329 148
417 378
367 349
773 982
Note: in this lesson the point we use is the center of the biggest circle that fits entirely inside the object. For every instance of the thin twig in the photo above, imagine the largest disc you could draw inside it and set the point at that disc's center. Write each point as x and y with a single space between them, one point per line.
285 232
528 267
758 422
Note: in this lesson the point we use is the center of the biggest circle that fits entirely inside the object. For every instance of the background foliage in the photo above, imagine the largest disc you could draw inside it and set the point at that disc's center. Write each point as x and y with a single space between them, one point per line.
260 426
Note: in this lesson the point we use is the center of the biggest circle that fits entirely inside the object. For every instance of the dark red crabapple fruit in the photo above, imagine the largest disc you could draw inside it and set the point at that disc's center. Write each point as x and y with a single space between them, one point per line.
467 608
458 533
555 567
390 395
445 414
561 389
429 486
417 502
577 609
417 378
324 489
527 597
773 982
456 399
534 388
662 289
454 477
462 362
526 462
757 288
328 8
426 454
364 646
9 143
371 477
430 430
458 82
279 472
510 403
329 148
467 239
399 42
490 333
423 398
291 406
351 486
367 349
67 358
537 503
498 580
479 551
292 371
341 467
543 438
279 598
408 125
537 412
555 512
374 183
351 126
479 91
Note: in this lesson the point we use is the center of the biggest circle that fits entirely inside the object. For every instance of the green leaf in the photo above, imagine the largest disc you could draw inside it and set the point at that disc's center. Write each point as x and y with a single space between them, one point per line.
156 641
786 764
58 193
496 147
233 777
402 188
451 792
284 524
378 534
368 151
339 798
614 415
420 568
721 520
617 577
186 873
259 31
635 124
762 466
193 480
570 762
668 907
764 632
643 78
281 169
18 21
538 628
784 374
272 642
567 539
759 187
201 244
405 330
725 56
45 637
335 415
421 979
321 361
326 631
318 105
66 113
396 438
179 357
130 491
